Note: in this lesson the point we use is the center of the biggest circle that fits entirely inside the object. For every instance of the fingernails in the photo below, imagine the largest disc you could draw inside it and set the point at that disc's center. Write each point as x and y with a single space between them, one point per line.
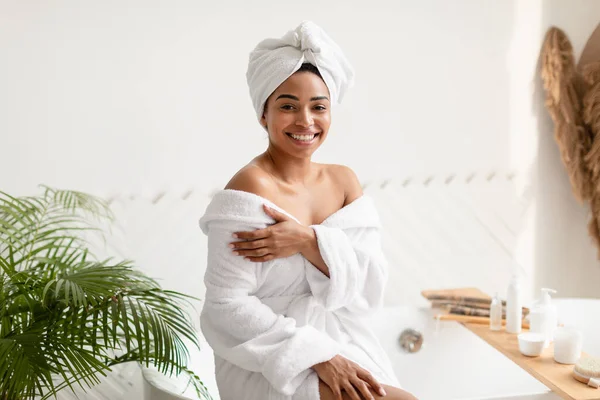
235 253
231 246
382 392
235 235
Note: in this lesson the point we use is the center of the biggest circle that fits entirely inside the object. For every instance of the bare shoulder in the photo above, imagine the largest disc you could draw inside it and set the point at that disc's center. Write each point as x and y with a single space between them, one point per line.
252 179
346 178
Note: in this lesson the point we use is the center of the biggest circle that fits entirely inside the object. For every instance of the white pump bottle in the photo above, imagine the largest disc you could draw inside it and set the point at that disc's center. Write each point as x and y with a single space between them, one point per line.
543 316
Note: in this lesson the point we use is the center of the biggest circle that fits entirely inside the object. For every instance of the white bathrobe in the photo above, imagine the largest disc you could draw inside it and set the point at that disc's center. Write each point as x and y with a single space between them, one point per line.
269 322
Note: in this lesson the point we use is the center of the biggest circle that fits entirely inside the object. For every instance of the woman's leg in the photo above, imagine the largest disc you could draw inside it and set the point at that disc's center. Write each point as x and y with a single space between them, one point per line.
393 393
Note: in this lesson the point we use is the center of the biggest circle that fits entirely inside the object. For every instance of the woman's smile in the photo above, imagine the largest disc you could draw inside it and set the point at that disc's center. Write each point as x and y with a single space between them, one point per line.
303 139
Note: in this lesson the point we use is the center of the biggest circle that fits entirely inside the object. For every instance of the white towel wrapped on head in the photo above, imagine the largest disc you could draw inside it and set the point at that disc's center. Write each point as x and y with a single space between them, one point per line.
275 60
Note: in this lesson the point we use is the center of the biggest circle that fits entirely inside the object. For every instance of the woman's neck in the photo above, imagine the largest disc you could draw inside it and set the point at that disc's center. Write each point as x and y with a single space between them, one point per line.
290 170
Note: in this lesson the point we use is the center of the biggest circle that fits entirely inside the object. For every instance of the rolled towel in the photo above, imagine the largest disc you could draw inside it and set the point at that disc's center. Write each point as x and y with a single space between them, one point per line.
275 60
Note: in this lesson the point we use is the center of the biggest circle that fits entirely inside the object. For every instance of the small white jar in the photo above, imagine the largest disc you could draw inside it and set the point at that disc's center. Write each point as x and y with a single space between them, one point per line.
531 344
568 343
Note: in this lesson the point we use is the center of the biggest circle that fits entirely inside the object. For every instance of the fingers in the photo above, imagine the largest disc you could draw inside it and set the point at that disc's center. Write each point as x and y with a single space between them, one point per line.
255 250
263 251
363 388
351 392
256 234
367 377
252 244
337 392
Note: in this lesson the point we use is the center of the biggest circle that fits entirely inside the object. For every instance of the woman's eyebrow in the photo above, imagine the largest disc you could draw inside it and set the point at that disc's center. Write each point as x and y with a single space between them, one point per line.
291 96
287 96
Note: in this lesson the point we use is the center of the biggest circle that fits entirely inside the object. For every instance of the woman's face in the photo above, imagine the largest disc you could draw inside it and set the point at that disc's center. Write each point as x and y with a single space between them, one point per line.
297 115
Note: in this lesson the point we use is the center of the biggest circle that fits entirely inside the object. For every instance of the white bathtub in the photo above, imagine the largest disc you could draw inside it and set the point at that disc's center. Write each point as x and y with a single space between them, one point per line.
455 364
452 364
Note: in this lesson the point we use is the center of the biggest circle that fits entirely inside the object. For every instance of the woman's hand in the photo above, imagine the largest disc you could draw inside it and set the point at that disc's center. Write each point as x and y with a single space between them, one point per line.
339 374
283 239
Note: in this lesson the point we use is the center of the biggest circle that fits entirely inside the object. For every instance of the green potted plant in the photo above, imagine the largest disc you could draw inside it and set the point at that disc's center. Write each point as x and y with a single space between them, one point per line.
67 317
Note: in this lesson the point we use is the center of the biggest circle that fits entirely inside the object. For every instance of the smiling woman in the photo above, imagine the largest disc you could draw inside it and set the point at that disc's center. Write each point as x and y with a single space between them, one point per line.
299 109
295 265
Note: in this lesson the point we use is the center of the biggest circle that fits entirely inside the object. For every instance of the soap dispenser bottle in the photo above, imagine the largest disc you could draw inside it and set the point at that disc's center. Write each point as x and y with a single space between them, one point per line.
514 310
543 316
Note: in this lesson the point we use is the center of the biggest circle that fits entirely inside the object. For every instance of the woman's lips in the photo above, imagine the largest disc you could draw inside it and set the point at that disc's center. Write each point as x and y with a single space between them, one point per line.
303 138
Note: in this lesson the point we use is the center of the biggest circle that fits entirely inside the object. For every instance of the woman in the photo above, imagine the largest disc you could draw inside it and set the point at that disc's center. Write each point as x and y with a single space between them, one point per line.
294 260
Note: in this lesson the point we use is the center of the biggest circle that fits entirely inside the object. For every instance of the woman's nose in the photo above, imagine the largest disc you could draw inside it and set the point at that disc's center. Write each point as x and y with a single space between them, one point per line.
305 118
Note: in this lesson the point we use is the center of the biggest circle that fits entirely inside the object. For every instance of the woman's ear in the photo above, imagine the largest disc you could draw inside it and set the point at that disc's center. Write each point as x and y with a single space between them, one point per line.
263 121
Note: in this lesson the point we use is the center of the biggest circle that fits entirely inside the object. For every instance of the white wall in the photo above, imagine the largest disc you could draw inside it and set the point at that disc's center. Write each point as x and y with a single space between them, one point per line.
136 95
139 96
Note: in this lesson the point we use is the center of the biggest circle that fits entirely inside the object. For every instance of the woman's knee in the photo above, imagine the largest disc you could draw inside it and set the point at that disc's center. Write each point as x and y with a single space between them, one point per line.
392 393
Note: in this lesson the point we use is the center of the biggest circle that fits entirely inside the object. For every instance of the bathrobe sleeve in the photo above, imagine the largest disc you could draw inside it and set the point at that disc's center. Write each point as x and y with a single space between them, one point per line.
357 269
246 332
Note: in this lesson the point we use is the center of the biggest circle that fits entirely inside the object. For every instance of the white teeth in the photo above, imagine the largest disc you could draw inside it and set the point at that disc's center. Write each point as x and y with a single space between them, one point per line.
303 138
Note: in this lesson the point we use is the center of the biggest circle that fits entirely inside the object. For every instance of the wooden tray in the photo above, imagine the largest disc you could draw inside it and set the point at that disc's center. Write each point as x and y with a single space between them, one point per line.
557 377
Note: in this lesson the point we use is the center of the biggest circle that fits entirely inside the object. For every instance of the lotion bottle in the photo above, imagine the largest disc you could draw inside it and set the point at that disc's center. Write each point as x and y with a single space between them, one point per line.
496 313
514 310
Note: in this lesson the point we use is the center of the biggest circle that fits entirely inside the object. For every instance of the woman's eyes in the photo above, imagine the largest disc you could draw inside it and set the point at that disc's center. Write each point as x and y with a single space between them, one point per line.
288 107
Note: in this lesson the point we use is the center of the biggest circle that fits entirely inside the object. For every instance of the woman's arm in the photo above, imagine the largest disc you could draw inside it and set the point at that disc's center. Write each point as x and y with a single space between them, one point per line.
357 269
311 252
351 269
